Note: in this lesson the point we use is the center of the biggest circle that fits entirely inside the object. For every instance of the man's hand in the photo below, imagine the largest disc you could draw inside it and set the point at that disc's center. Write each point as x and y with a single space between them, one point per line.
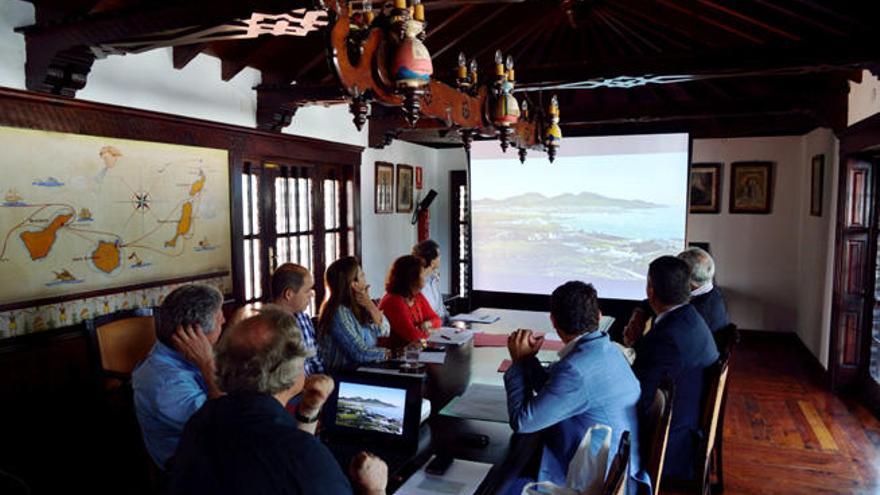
635 328
192 342
369 474
523 343
316 391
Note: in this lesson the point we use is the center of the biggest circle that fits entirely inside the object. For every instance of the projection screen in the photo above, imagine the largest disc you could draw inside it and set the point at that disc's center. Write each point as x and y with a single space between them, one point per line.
600 213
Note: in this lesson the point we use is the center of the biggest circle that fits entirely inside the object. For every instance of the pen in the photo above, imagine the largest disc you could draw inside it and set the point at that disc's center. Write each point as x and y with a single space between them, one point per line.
445 337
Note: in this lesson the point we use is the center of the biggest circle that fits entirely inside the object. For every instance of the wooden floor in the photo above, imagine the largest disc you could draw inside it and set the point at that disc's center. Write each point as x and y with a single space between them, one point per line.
784 433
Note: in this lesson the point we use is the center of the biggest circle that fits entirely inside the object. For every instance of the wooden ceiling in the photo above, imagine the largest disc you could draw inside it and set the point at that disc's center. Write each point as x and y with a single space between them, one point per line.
711 67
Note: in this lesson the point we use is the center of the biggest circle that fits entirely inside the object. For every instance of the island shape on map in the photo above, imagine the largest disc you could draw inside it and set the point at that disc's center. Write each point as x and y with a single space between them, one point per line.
40 242
183 225
106 256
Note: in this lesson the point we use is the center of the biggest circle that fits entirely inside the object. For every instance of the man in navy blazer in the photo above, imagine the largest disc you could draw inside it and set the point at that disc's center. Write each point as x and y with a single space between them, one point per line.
591 384
679 345
705 297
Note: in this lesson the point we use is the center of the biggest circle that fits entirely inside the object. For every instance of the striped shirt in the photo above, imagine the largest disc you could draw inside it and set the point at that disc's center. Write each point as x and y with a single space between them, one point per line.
348 342
312 364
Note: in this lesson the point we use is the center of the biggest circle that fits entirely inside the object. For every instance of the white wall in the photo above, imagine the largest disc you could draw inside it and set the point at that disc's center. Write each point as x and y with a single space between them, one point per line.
816 243
775 270
864 98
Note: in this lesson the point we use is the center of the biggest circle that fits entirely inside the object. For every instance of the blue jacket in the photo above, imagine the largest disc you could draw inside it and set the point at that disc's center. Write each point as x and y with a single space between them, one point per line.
680 345
712 308
591 384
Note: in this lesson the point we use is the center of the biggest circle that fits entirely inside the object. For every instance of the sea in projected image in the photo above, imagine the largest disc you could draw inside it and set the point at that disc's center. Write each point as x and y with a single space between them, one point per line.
600 213
533 241
371 408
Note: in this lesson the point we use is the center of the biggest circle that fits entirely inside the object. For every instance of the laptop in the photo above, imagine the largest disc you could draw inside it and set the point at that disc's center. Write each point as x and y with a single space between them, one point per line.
379 413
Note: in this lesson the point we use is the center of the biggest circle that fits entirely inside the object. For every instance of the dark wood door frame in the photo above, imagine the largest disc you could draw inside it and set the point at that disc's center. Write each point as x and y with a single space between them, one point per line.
856 262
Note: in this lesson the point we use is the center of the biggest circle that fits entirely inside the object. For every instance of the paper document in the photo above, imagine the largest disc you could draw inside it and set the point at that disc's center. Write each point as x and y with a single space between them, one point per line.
432 357
462 478
475 318
450 335
479 401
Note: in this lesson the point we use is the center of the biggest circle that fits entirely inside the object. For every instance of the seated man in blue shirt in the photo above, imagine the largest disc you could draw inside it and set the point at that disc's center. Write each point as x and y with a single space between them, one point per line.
177 377
590 384
293 288
246 442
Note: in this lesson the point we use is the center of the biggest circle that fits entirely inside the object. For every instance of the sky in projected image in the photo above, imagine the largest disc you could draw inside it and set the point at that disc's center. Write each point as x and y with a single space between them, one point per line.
600 214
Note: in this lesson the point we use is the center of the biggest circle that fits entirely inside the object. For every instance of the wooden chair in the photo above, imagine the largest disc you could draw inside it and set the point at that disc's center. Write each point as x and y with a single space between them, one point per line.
727 338
615 480
710 422
119 341
654 427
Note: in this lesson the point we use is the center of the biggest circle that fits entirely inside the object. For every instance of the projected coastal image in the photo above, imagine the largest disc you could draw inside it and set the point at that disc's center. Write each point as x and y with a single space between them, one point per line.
600 213
367 407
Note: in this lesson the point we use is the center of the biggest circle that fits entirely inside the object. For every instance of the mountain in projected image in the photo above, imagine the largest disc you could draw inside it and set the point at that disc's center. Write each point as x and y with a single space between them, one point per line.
584 199
529 242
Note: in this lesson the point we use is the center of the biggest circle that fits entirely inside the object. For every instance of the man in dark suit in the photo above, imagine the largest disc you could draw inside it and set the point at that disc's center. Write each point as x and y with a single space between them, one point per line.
679 345
705 297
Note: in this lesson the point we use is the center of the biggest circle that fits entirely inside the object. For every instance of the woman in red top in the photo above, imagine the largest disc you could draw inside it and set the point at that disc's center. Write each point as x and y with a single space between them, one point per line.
407 310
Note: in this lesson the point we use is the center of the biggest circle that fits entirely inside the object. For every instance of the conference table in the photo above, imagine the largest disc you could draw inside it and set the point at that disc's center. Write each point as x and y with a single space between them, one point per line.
465 365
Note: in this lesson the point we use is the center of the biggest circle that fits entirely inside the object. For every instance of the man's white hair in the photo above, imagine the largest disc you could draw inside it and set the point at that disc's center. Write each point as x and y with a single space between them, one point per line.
701 263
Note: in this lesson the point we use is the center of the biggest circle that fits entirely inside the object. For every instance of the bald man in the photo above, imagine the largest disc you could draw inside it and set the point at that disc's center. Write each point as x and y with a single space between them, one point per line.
246 442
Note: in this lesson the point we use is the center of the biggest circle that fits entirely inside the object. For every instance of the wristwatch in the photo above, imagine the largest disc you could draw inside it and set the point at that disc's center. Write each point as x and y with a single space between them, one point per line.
303 419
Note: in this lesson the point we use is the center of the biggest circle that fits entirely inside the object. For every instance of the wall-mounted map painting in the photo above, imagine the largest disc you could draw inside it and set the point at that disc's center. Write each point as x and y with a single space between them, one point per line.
83 213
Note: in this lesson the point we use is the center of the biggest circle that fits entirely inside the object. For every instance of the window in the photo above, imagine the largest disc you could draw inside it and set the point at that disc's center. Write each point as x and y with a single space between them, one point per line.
460 234
303 214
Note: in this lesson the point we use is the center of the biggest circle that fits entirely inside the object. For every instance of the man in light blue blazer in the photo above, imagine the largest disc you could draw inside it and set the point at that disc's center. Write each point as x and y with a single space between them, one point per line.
591 384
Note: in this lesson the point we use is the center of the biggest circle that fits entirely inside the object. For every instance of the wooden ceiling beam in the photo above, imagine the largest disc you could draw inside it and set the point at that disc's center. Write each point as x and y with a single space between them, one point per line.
469 31
184 54
739 15
699 17
728 62
59 57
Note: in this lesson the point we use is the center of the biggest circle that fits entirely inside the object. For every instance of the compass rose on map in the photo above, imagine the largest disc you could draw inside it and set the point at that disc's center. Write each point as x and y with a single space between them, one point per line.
142 201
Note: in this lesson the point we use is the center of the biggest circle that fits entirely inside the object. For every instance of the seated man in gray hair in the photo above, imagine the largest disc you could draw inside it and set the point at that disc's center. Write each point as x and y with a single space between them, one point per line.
177 377
246 442
705 297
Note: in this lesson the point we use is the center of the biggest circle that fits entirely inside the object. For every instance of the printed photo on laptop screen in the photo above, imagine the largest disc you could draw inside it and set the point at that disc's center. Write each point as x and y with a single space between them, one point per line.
368 407
600 213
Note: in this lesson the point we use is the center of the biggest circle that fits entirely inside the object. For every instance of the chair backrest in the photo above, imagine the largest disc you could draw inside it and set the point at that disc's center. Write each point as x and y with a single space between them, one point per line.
121 340
615 481
726 339
716 382
655 427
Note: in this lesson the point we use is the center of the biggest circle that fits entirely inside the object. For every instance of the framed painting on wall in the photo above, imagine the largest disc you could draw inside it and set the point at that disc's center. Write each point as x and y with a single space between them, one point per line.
384 190
404 189
751 187
705 188
817 176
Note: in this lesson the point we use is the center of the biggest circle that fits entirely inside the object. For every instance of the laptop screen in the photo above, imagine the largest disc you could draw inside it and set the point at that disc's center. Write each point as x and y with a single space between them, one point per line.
371 407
